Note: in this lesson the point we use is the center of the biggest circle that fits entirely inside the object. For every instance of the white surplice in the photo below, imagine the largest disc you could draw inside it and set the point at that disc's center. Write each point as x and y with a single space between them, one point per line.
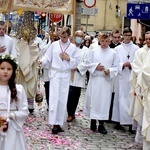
94 45
122 86
44 48
146 145
78 78
59 75
98 94
8 42
14 138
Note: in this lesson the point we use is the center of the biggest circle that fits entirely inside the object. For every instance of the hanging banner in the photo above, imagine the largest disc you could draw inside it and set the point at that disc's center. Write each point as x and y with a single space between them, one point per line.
54 6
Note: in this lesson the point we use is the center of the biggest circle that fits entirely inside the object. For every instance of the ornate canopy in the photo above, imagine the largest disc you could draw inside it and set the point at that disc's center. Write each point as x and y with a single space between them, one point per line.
55 6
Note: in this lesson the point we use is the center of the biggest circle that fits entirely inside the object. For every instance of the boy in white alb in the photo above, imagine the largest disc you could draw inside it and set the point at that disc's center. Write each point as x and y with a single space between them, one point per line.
125 52
102 63
62 55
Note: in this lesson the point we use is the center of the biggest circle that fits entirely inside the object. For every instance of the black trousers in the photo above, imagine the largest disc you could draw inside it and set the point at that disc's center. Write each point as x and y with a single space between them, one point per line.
46 85
87 76
111 105
93 122
73 99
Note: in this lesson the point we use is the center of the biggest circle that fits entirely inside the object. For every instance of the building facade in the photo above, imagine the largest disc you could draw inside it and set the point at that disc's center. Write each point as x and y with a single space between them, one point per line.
109 15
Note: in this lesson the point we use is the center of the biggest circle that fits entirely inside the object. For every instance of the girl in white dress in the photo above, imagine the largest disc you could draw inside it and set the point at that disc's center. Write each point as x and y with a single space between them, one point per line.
13 106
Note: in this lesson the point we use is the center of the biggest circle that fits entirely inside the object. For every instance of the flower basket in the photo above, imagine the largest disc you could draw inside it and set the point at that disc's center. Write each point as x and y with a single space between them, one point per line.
39 98
39 94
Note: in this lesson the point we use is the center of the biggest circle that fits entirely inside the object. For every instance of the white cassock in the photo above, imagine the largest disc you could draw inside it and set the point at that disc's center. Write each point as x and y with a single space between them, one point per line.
59 75
14 138
94 45
39 42
44 48
8 42
98 94
122 98
77 79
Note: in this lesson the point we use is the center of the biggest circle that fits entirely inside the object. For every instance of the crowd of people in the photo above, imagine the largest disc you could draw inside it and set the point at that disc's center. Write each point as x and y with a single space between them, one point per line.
113 68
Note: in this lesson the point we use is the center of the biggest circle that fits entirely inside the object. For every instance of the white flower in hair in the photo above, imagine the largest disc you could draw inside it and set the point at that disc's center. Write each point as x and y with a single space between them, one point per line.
11 57
3 56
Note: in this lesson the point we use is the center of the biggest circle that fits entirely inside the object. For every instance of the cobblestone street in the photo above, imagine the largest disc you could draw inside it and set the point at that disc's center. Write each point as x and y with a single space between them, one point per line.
77 135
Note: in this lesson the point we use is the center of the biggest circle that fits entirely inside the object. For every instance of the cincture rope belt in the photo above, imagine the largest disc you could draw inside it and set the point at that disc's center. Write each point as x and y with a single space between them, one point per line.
1 110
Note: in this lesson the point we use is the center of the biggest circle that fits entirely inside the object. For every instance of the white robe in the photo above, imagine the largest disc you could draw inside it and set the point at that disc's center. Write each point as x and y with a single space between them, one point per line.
8 42
94 45
44 48
122 86
14 139
98 94
27 74
59 75
141 67
78 78
38 41
146 145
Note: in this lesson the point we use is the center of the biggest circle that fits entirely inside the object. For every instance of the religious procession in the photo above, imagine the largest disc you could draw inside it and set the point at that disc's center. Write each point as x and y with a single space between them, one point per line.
69 88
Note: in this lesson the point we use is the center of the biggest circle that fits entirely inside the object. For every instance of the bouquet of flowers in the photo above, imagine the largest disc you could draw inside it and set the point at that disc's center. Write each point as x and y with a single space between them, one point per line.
3 124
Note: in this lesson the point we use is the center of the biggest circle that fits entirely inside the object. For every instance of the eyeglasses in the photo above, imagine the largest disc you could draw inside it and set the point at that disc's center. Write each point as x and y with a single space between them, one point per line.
116 37
79 35
127 35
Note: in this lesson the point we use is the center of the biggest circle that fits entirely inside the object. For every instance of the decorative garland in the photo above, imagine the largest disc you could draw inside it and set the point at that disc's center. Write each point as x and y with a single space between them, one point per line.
10 57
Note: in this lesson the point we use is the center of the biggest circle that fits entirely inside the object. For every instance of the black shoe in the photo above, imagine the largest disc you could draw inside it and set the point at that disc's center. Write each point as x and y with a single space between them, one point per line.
119 127
101 129
93 126
131 130
56 129
31 110
60 129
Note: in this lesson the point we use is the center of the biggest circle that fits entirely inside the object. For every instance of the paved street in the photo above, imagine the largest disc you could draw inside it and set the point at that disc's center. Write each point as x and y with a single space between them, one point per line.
77 135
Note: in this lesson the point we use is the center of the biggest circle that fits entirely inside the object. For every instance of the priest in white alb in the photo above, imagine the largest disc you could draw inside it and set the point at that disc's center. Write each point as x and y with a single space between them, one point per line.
140 91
